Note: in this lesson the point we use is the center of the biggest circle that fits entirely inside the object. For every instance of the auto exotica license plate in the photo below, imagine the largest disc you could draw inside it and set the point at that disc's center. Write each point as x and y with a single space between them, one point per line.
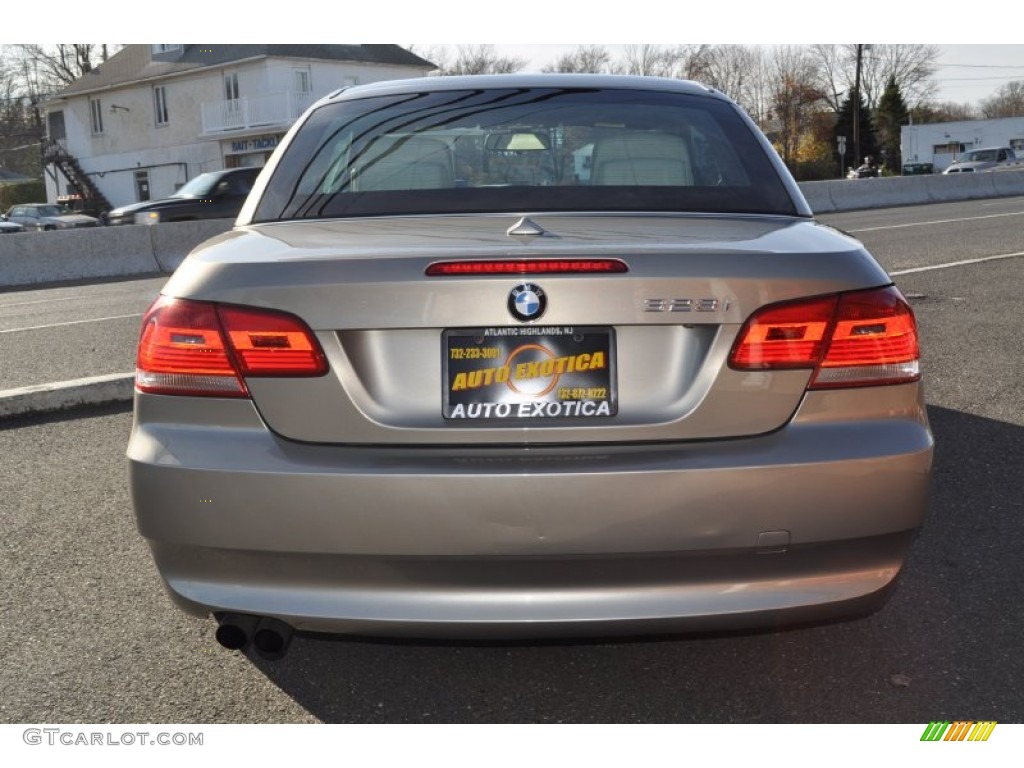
529 372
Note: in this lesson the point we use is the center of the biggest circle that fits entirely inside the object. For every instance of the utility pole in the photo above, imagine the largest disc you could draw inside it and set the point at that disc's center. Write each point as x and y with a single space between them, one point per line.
856 109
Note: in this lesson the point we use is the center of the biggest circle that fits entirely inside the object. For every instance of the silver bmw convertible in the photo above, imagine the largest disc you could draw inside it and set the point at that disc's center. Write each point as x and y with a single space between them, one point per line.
527 356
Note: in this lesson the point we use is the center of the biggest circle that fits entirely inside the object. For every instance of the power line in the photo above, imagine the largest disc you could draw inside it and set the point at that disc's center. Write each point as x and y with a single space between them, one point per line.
994 77
984 66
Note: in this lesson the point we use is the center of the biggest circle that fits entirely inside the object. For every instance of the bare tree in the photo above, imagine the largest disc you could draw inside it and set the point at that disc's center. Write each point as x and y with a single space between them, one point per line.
473 60
680 61
795 99
584 58
739 72
1008 101
834 64
20 124
641 60
949 111
58 65
912 65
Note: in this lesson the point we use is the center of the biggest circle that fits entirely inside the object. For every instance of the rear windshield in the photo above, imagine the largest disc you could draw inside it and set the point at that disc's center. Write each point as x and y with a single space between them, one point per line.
551 149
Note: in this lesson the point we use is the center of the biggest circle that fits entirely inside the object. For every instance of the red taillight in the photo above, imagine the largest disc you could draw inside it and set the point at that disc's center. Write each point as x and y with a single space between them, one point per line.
785 335
199 348
271 343
851 339
526 267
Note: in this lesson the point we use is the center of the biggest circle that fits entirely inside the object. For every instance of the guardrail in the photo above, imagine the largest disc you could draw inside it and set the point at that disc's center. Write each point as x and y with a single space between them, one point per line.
45 257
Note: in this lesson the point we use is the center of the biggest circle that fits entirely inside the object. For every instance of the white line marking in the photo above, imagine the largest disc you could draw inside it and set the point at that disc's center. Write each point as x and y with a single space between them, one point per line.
963 263
40 301
70 322
938 221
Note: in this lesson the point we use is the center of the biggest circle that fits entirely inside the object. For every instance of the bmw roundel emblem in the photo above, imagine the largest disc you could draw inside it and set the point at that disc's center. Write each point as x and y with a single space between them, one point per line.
527 302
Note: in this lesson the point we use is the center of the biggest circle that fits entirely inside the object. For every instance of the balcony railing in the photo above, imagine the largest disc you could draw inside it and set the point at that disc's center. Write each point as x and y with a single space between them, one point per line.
276 109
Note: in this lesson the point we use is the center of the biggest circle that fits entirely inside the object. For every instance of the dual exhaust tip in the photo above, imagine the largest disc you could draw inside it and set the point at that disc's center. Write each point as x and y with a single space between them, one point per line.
269 637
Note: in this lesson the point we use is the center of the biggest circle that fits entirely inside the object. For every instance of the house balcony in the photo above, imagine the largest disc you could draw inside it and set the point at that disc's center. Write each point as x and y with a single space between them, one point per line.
277 110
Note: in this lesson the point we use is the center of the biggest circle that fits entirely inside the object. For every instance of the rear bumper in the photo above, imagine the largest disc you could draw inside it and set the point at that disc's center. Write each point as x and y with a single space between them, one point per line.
810 522
537 597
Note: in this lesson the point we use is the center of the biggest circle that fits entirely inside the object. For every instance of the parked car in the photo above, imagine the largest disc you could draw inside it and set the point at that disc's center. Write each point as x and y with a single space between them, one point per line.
983 160
215 195
9 227
48 216
436 383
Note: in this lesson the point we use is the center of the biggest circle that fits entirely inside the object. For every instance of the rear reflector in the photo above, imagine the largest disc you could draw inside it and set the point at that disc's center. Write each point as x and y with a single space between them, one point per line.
527 267
200 348
850 339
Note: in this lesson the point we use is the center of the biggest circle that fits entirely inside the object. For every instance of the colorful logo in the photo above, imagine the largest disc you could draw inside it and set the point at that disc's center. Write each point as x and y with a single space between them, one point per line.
961 730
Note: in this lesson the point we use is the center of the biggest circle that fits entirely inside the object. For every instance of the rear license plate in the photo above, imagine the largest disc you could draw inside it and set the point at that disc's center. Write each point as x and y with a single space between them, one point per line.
529 372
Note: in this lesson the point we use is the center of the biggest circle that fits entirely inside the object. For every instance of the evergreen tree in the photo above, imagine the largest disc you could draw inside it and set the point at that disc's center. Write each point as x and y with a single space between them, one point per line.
844 127
891 115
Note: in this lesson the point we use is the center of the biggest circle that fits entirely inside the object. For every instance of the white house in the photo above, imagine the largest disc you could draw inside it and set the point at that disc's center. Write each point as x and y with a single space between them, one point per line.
154 116
941 143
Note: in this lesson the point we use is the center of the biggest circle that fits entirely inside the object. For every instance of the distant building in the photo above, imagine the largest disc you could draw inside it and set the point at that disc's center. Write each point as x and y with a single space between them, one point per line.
942 143
143 123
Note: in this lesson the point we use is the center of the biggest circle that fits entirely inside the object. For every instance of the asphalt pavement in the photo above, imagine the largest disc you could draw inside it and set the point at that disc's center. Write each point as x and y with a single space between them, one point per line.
54 334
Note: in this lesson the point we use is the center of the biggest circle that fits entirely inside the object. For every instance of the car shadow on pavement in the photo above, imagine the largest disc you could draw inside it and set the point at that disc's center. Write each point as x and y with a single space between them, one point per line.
944 647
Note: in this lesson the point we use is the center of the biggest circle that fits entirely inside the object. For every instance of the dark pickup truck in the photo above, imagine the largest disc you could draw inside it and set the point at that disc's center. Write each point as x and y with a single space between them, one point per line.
215 195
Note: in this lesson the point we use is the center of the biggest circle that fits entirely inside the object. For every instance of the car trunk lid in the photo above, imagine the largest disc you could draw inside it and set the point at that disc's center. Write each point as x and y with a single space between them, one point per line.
417 359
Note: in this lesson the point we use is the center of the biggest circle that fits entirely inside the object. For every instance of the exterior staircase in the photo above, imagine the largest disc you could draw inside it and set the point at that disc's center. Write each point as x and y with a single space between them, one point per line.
94 202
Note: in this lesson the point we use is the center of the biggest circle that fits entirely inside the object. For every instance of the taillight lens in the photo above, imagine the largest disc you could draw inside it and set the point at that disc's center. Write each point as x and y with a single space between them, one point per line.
849 339
785 335
200 348
271 343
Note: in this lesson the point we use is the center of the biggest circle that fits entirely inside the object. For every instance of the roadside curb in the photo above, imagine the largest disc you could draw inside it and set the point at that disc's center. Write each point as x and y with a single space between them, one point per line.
63 395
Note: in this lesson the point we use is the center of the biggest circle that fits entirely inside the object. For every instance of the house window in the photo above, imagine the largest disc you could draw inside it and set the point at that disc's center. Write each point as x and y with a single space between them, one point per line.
231 86
96 110
142 186
160 105
55 125
1017 145
952 148
302 84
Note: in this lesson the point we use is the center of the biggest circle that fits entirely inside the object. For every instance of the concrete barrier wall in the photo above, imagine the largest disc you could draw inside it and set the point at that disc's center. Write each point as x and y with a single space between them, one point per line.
858 194
46 257
36 257
1007 183
173 242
